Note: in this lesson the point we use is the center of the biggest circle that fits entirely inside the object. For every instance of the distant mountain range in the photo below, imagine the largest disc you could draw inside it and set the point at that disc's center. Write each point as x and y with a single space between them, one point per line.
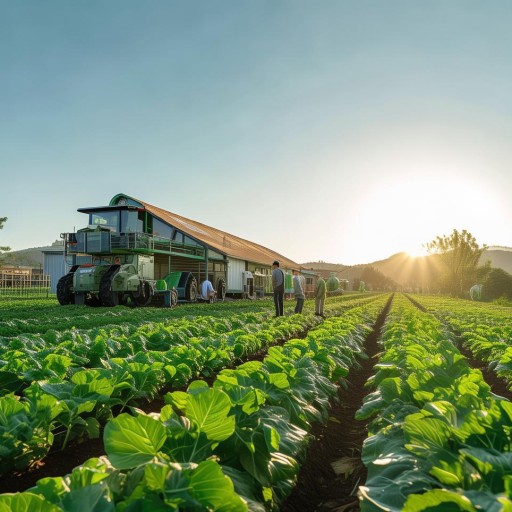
32 257
400 268
406 270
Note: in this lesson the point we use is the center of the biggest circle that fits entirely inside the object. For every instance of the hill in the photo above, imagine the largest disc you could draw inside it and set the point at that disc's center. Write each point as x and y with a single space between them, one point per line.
408 271
32 257
500 257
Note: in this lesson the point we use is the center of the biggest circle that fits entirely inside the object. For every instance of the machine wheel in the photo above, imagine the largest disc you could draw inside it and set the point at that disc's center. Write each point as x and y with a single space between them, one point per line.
92 300
174 298
107 296
144 294
221 288
64 292
191 289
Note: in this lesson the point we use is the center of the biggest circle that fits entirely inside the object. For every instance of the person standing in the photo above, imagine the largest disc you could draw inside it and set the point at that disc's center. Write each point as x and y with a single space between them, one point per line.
320 294
298 290
278 287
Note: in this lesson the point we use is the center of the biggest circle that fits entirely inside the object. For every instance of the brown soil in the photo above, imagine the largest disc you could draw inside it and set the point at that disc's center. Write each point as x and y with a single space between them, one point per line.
333 470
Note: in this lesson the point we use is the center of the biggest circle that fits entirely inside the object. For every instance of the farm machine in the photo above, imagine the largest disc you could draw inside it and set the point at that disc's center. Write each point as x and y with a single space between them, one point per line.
112 261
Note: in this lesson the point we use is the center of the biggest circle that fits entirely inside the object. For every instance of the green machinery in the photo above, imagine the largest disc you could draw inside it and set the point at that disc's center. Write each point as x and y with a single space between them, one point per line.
333 283
113 262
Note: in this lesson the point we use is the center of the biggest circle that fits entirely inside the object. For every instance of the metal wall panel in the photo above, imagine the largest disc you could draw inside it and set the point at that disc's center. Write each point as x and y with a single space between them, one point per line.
235 270
55 266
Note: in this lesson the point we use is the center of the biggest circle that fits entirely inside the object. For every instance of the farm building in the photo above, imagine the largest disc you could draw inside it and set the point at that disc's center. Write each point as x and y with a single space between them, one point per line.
174 243
15 276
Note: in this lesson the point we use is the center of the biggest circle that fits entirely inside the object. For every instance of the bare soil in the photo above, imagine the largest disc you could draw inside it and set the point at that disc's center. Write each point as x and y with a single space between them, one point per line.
332 471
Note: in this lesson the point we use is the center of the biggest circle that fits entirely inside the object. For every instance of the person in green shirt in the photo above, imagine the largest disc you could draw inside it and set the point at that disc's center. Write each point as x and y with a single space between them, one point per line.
320 294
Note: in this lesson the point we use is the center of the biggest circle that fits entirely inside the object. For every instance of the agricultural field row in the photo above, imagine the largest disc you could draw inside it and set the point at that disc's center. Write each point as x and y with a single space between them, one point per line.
38 316
233 446
62 386
439 439
484 329
55 393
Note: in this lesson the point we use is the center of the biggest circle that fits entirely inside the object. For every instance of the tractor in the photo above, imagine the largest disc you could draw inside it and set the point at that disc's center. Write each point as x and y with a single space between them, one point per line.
113 262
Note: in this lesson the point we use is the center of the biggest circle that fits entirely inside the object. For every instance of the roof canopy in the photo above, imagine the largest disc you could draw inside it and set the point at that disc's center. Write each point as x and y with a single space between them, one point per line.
225 243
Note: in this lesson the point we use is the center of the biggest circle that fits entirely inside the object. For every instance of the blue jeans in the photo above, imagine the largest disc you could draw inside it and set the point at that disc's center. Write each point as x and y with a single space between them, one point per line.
279 301
299 305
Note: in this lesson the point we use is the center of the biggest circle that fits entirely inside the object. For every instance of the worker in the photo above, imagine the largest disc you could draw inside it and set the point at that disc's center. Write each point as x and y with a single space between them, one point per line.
207 291
298 290
475 292
320 294
278 287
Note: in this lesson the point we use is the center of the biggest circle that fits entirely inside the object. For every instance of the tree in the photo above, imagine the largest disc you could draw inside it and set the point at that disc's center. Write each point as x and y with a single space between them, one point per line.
498 283
376 279
459 253
2 220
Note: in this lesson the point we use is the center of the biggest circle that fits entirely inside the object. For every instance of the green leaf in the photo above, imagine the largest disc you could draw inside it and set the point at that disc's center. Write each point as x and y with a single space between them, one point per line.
215 490
424 434
26 502
154 476
246 487
177 399
130 441
440 500
209 410
10 381
93 498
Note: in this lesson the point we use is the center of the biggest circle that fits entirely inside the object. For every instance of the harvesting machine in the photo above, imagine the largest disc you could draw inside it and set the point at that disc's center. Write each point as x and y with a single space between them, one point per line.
112 261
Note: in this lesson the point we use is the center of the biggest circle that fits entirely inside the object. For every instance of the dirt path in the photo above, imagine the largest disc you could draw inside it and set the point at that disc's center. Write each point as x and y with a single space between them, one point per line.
332 472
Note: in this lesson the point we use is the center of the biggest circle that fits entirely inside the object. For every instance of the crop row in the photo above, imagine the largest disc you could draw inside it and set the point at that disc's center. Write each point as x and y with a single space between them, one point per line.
36 317
55 354
438 438
485 330
64 385
233 446
56 317
70 388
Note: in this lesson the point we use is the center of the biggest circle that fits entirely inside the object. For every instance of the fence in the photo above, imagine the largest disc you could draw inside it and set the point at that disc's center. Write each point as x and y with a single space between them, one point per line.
36 287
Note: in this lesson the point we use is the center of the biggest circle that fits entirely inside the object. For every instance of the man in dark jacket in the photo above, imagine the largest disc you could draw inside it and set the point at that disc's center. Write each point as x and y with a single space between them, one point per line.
278 287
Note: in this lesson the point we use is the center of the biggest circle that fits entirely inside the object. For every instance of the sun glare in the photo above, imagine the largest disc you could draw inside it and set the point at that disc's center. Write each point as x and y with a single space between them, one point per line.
417 253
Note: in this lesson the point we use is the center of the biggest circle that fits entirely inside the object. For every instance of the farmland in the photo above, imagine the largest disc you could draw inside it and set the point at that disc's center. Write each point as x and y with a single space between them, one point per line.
402 399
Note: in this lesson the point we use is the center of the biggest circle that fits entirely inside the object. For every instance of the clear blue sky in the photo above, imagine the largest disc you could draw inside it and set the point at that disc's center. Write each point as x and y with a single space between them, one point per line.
342 131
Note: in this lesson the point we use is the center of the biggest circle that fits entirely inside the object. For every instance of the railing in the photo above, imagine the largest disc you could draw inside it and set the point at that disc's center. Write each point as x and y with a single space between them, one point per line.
104 242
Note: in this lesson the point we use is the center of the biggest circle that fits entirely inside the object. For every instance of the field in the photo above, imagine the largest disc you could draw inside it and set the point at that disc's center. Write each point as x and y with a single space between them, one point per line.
391 402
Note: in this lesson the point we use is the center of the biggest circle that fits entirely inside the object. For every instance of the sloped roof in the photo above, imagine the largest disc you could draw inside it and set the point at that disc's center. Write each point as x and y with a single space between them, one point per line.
218 240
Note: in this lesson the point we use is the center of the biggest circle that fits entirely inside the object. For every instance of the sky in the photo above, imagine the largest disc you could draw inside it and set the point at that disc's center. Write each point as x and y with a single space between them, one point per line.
338 131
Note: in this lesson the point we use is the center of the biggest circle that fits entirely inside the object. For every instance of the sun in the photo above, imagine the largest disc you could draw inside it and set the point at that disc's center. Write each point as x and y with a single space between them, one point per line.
418 252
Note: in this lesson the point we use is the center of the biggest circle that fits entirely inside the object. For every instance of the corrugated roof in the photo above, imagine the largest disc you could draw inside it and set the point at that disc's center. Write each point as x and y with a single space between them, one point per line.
218 240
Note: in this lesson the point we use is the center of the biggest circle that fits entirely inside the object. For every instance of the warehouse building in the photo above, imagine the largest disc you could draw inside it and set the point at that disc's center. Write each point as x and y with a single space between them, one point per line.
235 266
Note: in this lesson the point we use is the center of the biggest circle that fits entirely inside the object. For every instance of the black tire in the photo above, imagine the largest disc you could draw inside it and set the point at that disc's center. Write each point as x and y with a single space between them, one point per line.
191 289
65 295
144 294
221 288
174 298
107 296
